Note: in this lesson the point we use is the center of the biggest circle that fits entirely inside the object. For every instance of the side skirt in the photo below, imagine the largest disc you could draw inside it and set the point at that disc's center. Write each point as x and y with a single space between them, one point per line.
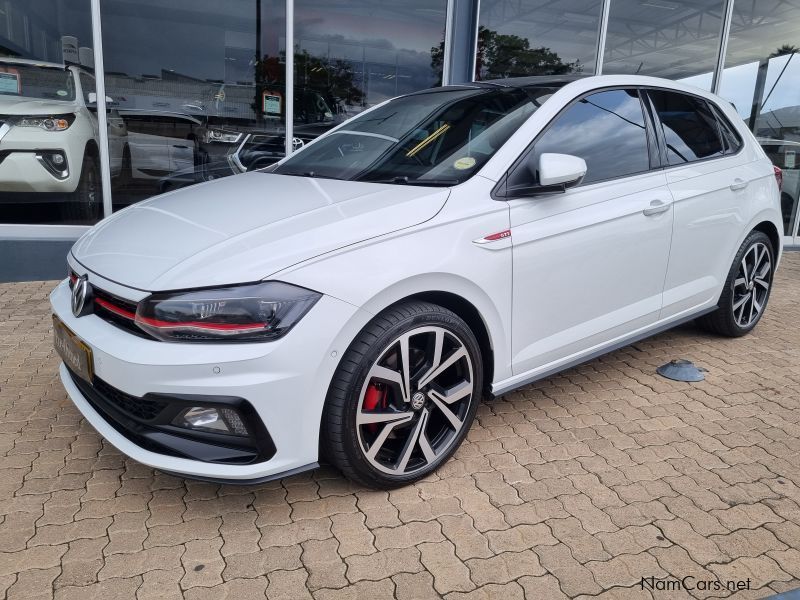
503 387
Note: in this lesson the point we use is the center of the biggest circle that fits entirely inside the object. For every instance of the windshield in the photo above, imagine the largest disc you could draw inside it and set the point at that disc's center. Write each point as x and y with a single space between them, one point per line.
30 81
434 138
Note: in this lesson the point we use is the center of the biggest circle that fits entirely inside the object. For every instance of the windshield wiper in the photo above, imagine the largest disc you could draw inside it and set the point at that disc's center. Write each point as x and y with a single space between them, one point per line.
311 174
404 180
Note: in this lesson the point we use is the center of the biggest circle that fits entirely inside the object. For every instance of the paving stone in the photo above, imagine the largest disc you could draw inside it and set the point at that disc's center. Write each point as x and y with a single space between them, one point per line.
288 585
468 541
504 567
259 563
325 567
574 578
384 564
415 586
449 573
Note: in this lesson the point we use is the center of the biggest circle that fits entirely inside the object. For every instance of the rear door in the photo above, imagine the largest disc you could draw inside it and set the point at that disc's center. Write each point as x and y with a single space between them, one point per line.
708 176
589 263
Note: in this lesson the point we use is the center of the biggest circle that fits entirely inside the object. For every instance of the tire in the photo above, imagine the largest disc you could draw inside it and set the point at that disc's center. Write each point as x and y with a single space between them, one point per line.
367 411
86 202
747 288
126 171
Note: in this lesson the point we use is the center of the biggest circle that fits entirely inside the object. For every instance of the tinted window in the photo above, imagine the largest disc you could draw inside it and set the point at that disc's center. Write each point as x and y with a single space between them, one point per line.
730 136
605 129
690 129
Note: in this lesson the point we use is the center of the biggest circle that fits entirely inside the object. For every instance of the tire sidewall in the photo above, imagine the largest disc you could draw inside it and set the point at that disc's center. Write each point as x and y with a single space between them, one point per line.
454 325
80 207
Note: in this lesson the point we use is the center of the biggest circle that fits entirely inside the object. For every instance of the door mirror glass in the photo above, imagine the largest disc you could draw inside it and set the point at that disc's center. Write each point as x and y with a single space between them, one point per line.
560 170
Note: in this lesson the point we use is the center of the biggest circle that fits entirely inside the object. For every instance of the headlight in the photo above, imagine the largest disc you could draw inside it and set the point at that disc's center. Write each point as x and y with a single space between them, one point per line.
224 137
56 123
256 312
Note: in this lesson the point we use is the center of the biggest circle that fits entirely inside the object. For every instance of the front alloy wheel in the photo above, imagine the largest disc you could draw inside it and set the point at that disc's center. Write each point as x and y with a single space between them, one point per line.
414 400
409 401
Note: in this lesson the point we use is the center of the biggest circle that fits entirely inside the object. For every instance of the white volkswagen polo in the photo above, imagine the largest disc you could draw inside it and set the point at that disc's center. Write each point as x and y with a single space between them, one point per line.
356 300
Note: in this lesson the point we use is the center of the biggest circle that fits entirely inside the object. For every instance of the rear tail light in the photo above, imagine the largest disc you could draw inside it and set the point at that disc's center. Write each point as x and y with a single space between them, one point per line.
778 176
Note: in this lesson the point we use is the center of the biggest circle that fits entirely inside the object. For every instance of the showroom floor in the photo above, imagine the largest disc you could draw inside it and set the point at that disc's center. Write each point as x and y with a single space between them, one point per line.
579 485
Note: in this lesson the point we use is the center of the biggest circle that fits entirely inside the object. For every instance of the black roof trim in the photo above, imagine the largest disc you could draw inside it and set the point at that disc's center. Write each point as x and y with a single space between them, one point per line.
510 83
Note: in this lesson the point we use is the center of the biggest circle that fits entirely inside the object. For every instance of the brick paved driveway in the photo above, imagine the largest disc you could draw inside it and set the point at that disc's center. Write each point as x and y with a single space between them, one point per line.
576 486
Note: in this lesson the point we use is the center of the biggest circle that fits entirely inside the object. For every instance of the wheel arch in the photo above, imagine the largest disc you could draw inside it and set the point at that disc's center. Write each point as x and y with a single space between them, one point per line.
92 149
771 231
486 316
472 317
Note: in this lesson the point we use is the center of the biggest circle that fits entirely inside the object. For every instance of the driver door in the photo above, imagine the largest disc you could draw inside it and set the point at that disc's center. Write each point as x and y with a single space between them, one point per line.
589 263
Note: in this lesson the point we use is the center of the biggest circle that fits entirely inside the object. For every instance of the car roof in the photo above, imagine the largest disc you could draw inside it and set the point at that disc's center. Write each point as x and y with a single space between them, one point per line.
32 63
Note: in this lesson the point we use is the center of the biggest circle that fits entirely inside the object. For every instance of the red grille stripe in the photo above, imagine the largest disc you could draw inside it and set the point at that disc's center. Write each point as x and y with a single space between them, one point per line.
117 310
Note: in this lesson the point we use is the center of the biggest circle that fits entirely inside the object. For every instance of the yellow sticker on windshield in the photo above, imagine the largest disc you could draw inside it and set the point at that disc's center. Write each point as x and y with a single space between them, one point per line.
465 162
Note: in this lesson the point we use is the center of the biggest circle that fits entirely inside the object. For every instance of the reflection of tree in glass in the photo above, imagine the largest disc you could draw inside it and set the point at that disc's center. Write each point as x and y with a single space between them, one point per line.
501 55
333 78
784 50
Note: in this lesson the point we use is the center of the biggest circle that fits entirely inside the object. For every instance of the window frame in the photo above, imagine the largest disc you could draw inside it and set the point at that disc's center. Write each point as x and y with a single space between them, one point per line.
723 120
500 191
715 111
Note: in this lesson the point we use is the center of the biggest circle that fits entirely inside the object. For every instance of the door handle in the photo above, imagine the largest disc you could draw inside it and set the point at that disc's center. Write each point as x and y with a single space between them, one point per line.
180 147
656 208
738 184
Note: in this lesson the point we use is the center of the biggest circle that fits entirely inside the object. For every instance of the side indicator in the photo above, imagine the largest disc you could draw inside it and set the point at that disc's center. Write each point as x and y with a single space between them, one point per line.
495 237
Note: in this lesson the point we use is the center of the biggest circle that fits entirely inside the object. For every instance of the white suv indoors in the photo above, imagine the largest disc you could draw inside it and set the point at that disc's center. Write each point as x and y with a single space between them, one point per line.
49 137
358 300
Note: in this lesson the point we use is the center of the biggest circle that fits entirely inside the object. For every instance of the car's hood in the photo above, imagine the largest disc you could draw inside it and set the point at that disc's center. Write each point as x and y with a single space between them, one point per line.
17 106
245 228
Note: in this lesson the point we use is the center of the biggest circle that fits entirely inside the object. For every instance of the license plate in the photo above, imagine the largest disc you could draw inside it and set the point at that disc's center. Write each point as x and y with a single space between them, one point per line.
75 354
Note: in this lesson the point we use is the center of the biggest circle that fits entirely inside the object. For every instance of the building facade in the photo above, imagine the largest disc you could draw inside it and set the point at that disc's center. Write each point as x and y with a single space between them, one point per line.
105 103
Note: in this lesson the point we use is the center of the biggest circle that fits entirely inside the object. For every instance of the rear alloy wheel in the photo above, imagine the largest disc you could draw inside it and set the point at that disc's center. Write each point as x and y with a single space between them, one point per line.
411 399
747 289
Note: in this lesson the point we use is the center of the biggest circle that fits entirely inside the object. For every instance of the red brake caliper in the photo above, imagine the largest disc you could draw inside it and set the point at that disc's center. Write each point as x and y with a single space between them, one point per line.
376 395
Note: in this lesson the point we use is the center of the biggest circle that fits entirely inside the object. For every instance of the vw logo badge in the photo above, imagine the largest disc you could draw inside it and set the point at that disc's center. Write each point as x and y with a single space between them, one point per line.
417 400
80 293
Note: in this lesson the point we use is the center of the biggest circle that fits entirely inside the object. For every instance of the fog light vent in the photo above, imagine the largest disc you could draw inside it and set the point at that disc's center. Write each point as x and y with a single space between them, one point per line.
214 420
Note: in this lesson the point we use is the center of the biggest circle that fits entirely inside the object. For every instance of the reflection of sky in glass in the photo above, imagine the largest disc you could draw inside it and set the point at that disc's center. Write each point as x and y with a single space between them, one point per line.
738 84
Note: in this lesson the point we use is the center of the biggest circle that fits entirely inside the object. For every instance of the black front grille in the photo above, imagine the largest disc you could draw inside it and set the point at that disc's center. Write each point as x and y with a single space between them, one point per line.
139 408
116 300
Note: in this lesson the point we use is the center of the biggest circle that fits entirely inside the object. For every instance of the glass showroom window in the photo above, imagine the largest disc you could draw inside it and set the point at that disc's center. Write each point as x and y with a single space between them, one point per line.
536 37
354 55
762 80
664 38
190 83
49 159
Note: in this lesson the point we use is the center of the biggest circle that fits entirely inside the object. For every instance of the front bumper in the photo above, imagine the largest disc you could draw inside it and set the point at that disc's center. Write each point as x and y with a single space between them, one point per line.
23 172
284 381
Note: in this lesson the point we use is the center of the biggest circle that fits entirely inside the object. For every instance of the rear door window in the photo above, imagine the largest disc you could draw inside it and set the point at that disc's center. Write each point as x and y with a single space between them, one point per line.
690 129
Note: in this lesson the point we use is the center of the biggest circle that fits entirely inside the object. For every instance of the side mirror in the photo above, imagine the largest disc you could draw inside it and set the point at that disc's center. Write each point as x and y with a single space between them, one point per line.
553 173
92 96
562 170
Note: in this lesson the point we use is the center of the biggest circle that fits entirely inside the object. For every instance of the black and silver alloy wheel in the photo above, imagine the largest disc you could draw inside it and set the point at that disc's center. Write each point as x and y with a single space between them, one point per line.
747 287
404 395
751 286
414 400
